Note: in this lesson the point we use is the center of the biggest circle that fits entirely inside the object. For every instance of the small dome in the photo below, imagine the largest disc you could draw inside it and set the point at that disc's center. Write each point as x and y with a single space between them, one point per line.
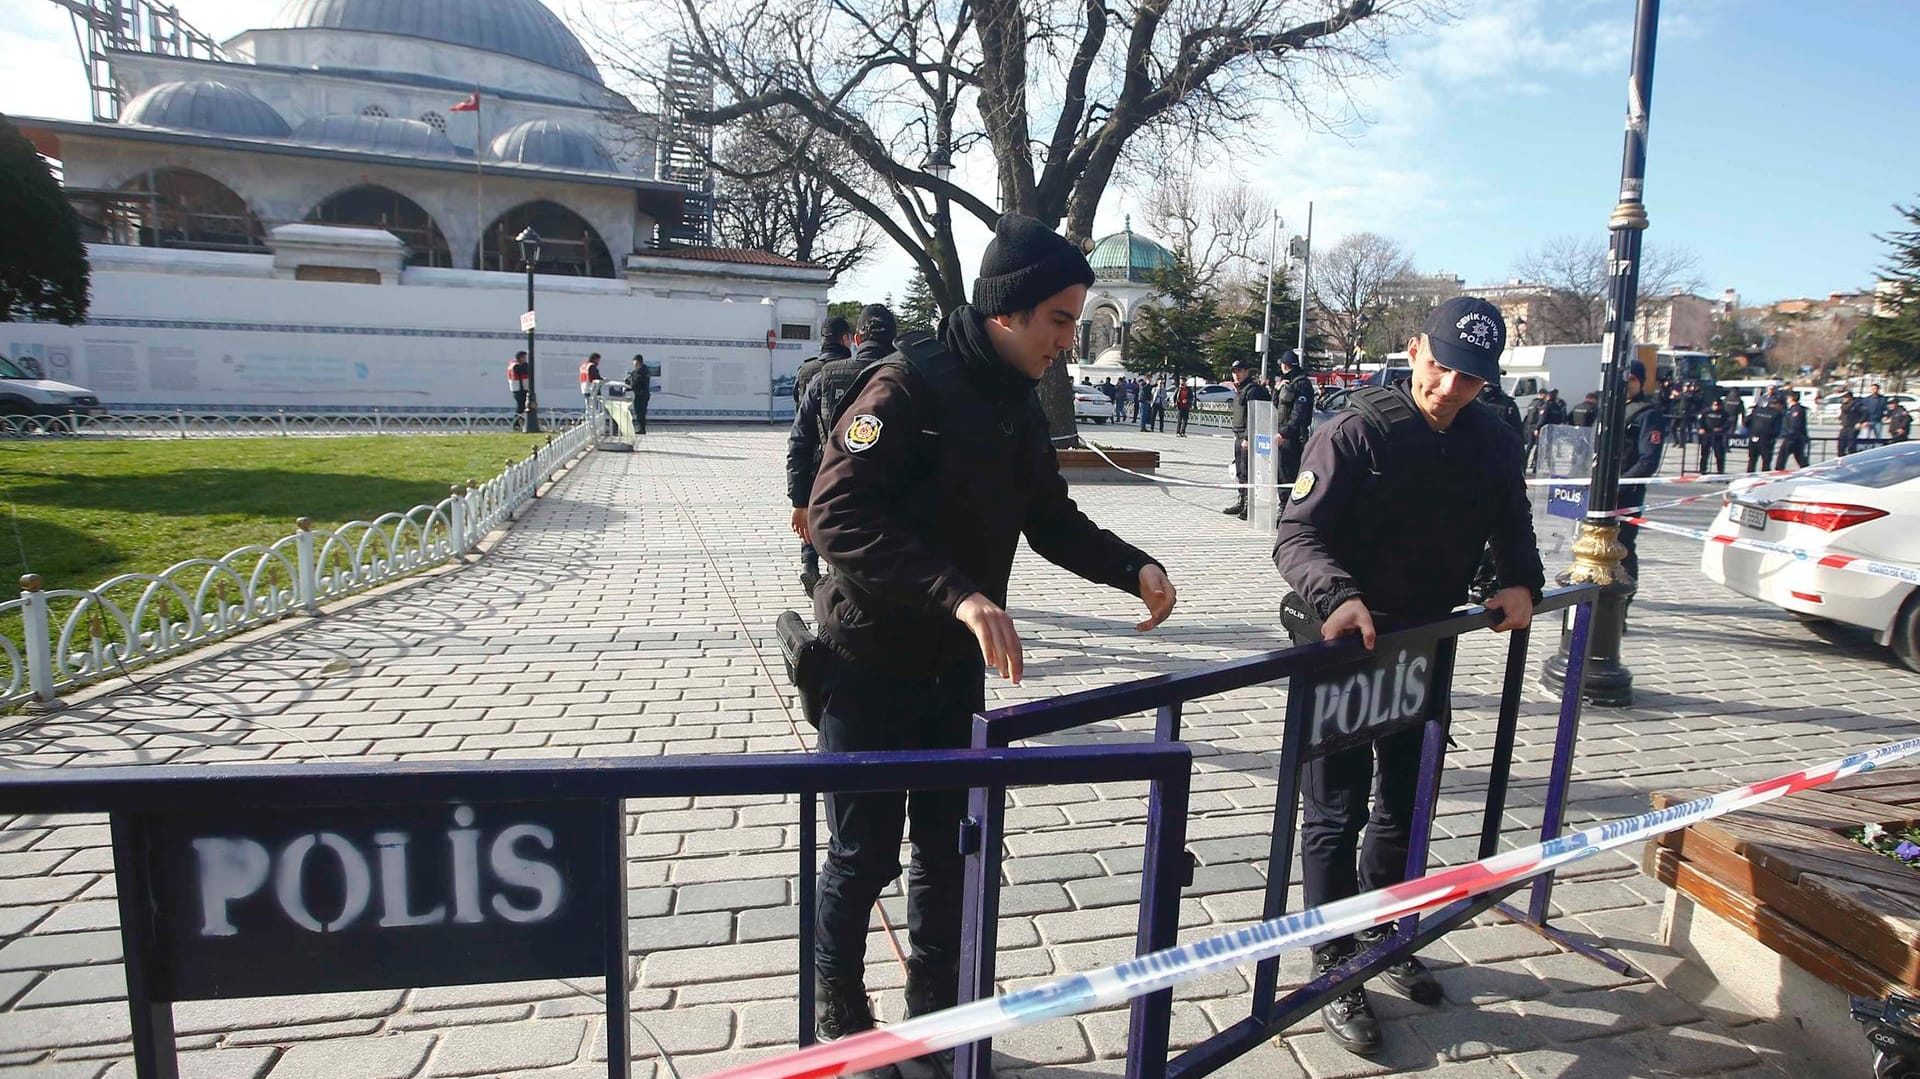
205 105
1125 256
522 28
383 134
552 144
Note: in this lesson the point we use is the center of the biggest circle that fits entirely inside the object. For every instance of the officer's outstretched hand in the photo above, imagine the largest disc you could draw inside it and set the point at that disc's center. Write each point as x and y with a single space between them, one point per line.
1158 594
1352 617
1515 606
993 628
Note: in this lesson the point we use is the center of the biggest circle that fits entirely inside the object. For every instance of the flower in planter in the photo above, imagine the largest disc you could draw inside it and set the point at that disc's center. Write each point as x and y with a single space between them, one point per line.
1872 833
1907 852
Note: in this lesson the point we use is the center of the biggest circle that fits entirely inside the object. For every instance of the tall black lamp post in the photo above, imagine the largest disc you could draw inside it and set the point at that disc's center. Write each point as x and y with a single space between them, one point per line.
529 242
1597 552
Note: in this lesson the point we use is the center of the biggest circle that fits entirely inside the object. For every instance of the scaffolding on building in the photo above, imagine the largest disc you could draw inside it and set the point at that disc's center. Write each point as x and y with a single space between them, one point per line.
104 26
686 147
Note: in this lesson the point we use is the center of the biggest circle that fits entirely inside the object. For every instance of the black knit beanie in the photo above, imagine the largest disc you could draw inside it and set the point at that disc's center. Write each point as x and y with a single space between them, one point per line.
1025 263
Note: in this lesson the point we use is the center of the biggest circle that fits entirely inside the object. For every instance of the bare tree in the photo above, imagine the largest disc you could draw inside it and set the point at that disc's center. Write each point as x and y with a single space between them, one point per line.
770 201
1221 231
1574 267
1350 285
1054 90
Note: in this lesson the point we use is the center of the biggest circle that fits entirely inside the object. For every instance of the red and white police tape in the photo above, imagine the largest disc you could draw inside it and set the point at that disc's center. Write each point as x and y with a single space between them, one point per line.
1832 560
1150 973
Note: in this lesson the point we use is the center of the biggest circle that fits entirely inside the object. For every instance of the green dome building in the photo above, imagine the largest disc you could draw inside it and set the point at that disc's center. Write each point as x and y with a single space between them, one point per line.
1126 266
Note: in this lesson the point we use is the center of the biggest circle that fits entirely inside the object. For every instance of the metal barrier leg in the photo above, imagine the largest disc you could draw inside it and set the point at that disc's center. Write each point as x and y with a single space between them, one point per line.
1500 769
980 916
619 1051
1286 808
1162 875
809 897
151 1020
1433 762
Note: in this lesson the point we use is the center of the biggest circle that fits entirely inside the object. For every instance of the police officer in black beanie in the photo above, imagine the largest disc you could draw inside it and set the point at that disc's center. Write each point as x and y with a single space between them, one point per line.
938 464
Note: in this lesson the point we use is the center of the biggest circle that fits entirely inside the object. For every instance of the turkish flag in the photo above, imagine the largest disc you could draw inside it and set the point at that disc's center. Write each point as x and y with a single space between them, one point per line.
471 104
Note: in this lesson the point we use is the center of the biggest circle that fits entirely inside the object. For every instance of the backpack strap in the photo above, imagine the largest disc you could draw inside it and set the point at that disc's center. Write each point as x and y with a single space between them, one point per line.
1387 411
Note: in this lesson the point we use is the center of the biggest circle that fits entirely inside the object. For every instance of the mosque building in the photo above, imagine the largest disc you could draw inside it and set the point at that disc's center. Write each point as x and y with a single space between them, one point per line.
323 213
1126 268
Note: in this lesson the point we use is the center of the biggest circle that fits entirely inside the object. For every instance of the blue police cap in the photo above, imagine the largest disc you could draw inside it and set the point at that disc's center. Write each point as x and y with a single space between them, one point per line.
1467 334
1636 369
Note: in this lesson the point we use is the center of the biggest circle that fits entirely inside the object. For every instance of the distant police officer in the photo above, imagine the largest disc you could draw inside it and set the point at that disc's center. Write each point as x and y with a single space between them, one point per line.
1793 432
939 463
1395 501
836 343
1763 426
813 420
1246 389
1714 426
640 391
1584 413
1899 422
1642 438
1853 416
1294 403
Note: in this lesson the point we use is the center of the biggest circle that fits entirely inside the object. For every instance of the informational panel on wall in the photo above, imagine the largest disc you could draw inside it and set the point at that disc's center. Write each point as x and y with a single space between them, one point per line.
159 341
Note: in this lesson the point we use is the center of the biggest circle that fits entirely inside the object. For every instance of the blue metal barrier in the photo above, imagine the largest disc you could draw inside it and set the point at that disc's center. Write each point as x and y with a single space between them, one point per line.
197 845
1306 734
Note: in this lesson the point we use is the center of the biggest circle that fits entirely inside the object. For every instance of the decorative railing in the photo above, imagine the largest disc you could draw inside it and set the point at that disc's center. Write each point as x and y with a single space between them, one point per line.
70 637
182 423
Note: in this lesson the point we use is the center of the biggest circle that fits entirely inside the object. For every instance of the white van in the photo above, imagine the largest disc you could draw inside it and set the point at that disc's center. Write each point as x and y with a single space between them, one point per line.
21 394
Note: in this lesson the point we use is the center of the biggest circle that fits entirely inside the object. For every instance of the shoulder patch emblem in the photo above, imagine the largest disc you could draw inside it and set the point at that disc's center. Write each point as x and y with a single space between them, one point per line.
1303 486
1653 436
862 432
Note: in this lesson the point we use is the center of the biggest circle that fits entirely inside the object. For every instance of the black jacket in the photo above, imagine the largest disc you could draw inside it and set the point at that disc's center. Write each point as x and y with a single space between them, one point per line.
1295 408
639 383
1243 393
1584 413
939 463
829 352
1763 422
1401 520
1793 422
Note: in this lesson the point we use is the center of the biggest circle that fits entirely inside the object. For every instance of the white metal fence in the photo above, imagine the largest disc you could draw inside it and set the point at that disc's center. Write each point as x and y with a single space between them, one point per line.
66 637
281 424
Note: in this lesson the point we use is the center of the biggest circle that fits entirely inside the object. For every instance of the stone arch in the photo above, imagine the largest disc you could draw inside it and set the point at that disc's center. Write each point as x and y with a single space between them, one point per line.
376 206
1105 332
182 207
569 244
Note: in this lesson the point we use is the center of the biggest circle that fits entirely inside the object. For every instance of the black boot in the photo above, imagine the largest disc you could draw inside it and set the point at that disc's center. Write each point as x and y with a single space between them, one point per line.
1410 976
841 1010
1348 1017
1238 509
808 580
931 988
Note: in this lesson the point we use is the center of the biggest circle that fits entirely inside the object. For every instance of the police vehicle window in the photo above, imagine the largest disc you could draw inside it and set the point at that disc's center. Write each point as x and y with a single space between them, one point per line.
1877 468
8 370
795 331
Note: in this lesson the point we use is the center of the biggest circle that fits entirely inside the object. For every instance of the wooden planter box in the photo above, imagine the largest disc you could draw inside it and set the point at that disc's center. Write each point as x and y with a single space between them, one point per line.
1086 466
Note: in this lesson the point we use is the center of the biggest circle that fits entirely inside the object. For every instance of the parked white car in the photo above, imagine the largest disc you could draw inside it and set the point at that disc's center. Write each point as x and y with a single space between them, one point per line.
1216 394
1091 404
21 394
1866 505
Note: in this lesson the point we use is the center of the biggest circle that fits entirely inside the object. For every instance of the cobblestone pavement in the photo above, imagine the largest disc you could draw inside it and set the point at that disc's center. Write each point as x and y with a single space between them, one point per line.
609 622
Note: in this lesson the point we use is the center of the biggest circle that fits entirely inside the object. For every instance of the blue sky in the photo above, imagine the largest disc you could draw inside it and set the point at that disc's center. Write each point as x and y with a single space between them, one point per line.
1782 132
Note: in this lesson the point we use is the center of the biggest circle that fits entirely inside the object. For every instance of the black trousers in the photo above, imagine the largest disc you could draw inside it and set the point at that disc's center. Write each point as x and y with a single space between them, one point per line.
519 408
1287 456
1847 441
1714 445
1795 448
1181 427
866 709
1759 454
1240 458
1334 863
640 415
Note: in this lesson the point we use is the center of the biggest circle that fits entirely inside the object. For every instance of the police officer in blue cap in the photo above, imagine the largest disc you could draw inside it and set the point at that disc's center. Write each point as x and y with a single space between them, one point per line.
1642 438
1396 499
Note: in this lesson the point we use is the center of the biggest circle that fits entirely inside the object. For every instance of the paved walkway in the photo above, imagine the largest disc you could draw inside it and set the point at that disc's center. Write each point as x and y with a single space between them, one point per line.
610 622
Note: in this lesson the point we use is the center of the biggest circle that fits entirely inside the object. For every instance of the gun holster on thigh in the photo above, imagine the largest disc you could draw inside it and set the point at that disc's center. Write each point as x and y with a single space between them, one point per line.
805 656
1299 620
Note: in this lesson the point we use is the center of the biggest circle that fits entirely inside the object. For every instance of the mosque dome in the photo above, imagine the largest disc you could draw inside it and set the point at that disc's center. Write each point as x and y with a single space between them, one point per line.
552 144
1126 256
208 106
522 28
380 134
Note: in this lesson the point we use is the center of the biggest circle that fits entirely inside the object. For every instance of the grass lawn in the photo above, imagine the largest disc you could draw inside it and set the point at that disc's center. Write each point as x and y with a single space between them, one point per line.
78 513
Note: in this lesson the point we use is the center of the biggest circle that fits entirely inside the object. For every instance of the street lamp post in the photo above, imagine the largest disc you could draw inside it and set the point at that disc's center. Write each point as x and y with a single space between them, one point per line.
529 242
1597 552
940 166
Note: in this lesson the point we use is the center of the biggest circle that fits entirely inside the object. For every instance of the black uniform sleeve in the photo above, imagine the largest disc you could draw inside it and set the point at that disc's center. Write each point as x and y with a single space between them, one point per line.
1336 455
1516 551
1653 436
1060 532
803 448
863 476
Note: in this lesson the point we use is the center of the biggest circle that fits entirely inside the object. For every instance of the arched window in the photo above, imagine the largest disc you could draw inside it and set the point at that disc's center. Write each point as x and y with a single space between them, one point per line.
435 121
183 208
568 245
1105 332
375 112
373 207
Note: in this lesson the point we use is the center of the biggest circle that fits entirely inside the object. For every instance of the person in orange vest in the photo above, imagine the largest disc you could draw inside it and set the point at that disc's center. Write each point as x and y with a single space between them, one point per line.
517 382
589 374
